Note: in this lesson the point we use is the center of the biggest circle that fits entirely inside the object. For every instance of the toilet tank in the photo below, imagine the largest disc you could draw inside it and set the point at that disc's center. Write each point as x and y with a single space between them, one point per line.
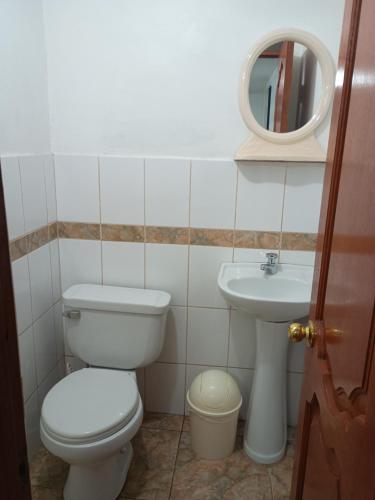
115 327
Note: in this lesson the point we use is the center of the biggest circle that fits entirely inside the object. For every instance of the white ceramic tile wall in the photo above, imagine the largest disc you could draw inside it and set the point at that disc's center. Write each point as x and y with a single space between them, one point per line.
80 262
303 189
123 264
204 265
260 196
167 188
33 191
122 185
166 268
213 194
77 188
13 196
207 336
202 332
29 186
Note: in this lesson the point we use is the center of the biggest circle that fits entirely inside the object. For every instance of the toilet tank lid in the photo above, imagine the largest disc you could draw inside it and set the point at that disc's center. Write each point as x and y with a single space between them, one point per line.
116 298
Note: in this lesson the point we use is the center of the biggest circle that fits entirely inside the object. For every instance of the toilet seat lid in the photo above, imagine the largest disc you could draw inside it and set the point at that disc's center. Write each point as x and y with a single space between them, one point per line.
89 404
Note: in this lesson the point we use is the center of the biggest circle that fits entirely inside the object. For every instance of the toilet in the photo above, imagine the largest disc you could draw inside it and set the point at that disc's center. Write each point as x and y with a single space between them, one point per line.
90 416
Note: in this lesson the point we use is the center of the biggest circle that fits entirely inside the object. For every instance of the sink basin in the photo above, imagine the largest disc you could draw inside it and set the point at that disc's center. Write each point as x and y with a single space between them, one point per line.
284 296
274 300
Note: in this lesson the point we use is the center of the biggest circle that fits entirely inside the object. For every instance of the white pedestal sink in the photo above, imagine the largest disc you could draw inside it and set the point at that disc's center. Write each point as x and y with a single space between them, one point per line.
275 300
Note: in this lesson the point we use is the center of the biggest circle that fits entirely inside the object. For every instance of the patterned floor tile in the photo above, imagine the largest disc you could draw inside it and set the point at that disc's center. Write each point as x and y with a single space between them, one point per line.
48 471
186 424
165 467
151 472
234 478
162 421
281 475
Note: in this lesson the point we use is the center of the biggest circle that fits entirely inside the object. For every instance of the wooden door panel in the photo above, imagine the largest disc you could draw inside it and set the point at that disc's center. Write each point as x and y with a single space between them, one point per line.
336 438
348 307
322 481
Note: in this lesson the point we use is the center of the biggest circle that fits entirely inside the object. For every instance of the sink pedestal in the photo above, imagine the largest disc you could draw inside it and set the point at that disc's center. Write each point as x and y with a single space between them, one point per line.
266 424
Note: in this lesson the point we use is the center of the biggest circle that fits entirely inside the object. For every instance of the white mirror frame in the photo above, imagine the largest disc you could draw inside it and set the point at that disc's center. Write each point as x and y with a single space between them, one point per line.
327 66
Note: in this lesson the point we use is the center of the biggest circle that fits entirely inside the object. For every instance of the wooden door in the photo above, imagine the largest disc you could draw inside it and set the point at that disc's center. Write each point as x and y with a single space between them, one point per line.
14 476
284 86
335 456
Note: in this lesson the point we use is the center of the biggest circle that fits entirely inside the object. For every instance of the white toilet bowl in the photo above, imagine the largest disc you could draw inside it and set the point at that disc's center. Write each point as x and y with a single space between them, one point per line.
90 416
88 420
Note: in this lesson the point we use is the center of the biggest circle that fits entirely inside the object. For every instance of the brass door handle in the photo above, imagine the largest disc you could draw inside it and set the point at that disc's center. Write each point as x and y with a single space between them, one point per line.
298 332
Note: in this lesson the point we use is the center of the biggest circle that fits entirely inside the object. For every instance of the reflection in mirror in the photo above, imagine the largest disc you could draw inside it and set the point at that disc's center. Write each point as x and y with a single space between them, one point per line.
285 87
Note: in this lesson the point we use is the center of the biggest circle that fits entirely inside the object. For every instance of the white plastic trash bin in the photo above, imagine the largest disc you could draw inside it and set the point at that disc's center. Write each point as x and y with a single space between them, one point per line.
214 401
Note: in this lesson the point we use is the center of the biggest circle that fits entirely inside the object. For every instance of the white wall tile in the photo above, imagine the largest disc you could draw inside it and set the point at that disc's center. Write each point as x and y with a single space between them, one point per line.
174 350
260 196
32 425
45 345
122 190
294 382
303 258
207 337
167 192
203 272
123 264
22 293
49 175
77 183
213 193
40 281
59 329
167 269
244 379
33 191
52 378
55 270
13 197
303 194
251 254
80 262
191 372
165 384
27 362
242 340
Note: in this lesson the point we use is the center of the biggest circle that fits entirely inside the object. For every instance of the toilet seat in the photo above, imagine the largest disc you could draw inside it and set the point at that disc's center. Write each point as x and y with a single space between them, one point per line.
89 405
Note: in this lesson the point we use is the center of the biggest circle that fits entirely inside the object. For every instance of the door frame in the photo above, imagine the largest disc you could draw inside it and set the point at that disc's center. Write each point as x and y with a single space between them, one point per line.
14 469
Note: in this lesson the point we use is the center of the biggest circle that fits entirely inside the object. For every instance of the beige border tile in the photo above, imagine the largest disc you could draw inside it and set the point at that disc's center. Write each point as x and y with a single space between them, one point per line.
19 248
52 231
211 237
257 239
38 238
298 241
79 230
171 235
119 232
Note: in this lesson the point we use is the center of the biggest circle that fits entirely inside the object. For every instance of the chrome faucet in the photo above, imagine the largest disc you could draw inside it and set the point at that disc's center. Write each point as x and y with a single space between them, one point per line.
271 266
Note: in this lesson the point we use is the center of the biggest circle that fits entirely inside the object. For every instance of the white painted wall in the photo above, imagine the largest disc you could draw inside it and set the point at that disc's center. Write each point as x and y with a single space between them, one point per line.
161 78
24 126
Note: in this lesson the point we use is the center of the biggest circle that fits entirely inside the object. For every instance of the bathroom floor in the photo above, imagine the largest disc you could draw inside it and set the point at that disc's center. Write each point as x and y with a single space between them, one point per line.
164 467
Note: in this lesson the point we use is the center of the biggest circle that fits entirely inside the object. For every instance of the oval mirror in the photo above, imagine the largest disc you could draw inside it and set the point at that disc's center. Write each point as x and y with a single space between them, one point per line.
285 86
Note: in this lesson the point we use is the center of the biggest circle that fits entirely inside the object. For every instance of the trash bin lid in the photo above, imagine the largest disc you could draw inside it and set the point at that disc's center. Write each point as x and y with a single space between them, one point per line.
214 391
